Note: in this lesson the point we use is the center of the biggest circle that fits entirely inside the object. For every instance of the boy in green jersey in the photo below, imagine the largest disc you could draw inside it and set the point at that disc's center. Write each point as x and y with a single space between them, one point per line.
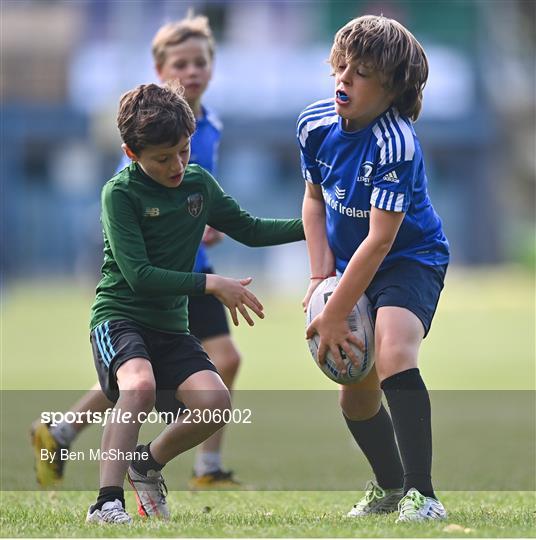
154 214
182 50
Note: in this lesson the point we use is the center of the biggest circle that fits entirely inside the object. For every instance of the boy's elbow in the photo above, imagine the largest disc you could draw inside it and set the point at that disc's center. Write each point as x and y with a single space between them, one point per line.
385 246
248 238
381 245
139 283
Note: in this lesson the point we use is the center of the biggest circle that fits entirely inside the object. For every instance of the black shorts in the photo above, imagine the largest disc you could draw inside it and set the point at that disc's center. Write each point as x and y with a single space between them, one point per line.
206 316
174 357
410 285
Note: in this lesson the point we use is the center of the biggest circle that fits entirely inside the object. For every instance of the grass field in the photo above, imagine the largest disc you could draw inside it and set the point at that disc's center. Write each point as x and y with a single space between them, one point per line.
482 339
268 514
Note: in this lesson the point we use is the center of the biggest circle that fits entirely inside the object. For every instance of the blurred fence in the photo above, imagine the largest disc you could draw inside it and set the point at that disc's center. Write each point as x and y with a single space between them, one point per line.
64 66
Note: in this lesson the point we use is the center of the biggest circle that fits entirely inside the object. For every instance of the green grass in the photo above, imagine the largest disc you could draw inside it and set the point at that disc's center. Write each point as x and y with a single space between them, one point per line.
268 514
482 339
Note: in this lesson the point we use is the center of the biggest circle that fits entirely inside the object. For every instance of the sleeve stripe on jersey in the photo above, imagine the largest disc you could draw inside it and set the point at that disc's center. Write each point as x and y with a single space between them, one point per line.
407 135
380 142
314 114
316 108
399 134
393 149
312 125
393 136
399 203
395 139
383 194
385 200
374 196
308 114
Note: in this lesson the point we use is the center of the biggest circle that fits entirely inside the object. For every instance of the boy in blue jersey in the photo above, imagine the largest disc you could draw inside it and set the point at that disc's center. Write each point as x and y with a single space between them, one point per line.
367 216
184 51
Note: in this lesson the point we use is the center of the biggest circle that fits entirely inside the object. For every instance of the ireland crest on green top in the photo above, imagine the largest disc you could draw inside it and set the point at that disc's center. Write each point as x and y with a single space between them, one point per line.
195 204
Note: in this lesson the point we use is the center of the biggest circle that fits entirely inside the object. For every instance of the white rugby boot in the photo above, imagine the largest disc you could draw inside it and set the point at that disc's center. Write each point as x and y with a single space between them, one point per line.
111 512
414 506
376 501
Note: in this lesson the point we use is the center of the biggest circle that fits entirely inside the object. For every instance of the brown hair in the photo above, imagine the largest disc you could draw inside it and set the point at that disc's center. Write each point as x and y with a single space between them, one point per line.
177 32
151 115
392 50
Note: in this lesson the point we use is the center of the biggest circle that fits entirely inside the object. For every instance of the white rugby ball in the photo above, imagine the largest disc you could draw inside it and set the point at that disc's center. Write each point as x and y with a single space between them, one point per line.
361 325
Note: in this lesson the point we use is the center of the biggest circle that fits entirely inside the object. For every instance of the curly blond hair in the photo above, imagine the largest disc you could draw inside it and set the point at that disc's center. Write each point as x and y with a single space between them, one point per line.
392 50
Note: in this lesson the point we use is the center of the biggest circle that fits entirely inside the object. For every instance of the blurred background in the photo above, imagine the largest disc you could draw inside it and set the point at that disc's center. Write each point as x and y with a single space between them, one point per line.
65 64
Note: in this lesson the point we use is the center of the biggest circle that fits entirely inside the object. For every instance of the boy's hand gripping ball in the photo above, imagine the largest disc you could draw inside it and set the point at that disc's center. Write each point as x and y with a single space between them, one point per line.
361 325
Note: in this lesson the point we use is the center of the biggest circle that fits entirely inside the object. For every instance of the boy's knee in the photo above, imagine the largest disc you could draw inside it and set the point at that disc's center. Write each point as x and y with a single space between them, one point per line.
393 357
226 358
140 394
360 405
217 400
212 404
230 364
394 348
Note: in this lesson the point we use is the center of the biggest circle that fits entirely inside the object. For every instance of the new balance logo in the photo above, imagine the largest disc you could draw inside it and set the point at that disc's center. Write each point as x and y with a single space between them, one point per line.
340 193
151 212
391 177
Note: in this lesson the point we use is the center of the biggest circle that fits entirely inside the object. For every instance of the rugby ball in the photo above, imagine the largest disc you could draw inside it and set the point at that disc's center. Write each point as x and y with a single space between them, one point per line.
361 325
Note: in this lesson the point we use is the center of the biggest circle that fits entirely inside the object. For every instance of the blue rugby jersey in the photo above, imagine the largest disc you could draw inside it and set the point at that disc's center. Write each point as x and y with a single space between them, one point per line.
204 152
380 165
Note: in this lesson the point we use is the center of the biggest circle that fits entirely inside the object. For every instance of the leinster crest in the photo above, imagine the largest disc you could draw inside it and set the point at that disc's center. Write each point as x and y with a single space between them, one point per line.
365 173
195 204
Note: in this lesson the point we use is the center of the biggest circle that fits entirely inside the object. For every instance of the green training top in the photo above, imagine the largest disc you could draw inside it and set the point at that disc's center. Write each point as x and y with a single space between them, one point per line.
151 237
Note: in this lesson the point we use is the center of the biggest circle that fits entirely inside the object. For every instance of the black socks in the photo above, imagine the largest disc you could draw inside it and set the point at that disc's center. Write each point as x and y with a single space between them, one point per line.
409 405
109 494
376 439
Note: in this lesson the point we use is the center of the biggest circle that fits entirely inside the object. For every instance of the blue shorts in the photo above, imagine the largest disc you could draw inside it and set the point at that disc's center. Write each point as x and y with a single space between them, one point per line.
410 285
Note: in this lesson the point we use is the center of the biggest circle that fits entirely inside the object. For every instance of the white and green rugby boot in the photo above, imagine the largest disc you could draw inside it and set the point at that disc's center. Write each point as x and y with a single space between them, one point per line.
376 501
416 507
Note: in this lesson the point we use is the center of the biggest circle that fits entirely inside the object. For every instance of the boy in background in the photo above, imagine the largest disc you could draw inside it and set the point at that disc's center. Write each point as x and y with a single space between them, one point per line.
367 215
183 51
154 214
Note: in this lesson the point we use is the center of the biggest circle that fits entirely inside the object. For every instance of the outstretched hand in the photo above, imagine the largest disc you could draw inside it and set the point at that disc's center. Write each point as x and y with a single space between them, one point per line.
234 294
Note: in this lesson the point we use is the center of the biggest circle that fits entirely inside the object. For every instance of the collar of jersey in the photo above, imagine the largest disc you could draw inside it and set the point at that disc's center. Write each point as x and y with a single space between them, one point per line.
362 131
145 178
203 117
209 117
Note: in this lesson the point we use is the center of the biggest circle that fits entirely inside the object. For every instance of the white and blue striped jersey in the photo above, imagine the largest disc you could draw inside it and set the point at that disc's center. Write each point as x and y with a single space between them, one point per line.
380 165
204 152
